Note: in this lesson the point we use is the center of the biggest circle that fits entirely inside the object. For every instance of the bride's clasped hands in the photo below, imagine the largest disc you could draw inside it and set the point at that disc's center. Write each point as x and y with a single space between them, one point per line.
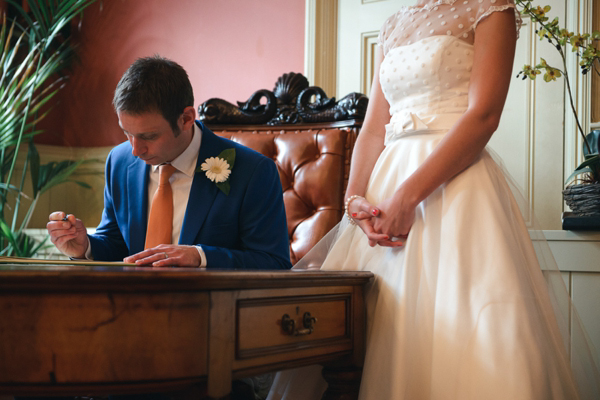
387 224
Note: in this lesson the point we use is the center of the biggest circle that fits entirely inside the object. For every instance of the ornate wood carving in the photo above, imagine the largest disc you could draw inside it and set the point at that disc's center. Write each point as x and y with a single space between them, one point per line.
219 111
288 103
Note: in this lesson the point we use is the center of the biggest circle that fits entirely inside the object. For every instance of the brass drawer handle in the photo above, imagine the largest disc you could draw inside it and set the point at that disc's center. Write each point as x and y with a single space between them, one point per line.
289 325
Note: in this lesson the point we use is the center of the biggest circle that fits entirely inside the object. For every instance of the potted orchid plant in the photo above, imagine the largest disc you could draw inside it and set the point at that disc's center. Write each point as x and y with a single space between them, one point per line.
582 192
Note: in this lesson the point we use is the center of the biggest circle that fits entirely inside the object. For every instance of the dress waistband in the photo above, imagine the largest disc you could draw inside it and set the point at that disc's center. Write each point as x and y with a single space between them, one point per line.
410 123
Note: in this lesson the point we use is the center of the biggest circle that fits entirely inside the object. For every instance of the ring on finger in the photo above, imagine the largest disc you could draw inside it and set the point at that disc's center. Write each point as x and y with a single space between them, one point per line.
166 255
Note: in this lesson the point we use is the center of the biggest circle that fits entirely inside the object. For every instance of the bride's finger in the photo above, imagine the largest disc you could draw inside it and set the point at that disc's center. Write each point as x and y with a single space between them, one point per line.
362 215
391 243
367 208
371 234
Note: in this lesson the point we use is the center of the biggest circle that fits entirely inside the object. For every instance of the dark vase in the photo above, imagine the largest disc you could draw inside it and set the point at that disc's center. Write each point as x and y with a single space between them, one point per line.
584 198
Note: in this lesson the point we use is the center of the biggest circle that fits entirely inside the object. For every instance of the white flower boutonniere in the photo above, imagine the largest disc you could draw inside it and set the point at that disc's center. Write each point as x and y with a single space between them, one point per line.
219 168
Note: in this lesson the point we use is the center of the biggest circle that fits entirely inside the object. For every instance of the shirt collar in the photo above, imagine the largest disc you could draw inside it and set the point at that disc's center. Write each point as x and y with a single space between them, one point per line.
186 161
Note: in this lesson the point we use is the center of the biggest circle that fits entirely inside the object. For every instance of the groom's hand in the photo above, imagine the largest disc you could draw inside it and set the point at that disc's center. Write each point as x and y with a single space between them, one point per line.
167 255
68 234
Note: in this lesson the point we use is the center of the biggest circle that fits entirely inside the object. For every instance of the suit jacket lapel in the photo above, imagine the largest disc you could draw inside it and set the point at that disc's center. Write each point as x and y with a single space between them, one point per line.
202 192
137 195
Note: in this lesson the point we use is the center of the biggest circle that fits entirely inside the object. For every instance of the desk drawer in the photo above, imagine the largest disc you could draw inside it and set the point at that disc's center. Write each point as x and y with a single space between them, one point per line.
260 330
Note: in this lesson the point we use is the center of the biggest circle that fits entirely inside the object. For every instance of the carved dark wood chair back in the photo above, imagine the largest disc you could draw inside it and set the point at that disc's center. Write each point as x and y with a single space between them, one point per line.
309 136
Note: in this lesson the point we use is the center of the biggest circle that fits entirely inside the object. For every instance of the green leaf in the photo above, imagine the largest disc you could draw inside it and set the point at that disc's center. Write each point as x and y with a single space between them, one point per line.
590 159
25 244
39 246
229 156
224 187
28 246
53 174
8 187
34 167
578 172
82 184
8 234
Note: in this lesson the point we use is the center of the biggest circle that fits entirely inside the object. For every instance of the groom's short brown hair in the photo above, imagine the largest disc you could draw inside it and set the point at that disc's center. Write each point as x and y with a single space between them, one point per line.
154 84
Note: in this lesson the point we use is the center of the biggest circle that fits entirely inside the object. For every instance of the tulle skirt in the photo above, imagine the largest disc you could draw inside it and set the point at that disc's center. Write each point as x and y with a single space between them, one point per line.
464 310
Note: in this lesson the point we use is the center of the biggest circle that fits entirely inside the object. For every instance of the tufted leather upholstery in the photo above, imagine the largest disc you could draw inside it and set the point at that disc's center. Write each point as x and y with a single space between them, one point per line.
313 163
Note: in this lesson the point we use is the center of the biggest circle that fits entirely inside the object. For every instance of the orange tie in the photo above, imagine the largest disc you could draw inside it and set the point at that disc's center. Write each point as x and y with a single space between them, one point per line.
160 221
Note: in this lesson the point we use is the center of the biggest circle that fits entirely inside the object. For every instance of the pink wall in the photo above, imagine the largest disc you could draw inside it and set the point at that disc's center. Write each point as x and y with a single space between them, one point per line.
230 48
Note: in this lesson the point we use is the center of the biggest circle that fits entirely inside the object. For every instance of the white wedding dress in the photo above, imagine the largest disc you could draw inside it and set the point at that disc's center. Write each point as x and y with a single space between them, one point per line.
463 310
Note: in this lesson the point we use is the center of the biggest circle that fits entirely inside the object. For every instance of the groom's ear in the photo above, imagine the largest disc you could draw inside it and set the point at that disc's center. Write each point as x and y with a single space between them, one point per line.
188 118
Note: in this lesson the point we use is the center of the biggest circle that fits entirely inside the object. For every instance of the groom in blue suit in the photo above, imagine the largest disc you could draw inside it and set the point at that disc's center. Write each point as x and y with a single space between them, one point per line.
223 216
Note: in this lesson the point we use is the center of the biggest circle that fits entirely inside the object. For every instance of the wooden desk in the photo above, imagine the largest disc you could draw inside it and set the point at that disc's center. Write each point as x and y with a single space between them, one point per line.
67 330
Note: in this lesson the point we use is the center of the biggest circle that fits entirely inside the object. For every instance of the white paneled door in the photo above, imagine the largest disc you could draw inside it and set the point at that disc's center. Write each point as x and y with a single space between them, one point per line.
358 26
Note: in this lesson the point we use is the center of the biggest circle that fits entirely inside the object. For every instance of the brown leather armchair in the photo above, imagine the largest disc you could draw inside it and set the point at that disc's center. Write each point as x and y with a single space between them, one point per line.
311 143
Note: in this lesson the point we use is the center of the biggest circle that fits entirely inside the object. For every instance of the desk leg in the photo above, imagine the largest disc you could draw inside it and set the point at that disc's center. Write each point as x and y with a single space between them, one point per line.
344 378
221 344
344 383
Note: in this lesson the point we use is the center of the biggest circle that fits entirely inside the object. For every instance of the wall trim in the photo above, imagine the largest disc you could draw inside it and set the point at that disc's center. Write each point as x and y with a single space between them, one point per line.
529 191
368 42
579 18
320 47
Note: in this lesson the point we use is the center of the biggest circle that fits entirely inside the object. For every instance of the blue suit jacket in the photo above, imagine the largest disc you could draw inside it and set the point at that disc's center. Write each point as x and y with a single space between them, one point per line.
245 229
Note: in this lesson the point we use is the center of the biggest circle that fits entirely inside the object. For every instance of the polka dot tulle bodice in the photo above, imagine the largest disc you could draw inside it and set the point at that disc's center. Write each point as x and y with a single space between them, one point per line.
428 51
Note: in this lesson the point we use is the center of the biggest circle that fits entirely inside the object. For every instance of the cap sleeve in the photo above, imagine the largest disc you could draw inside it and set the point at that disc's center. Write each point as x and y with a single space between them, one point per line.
485 8
383 33
384 38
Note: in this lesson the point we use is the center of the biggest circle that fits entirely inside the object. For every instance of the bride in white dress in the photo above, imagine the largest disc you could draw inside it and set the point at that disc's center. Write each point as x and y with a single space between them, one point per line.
459 307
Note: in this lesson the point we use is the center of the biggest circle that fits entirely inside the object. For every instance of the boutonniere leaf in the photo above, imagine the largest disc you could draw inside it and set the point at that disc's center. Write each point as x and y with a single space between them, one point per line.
219 168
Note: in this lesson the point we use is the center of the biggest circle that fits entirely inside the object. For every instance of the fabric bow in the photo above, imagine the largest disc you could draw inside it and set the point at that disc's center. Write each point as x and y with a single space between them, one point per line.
407 124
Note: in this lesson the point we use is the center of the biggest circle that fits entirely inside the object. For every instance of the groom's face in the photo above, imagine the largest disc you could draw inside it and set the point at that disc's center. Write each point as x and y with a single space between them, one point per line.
151 137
